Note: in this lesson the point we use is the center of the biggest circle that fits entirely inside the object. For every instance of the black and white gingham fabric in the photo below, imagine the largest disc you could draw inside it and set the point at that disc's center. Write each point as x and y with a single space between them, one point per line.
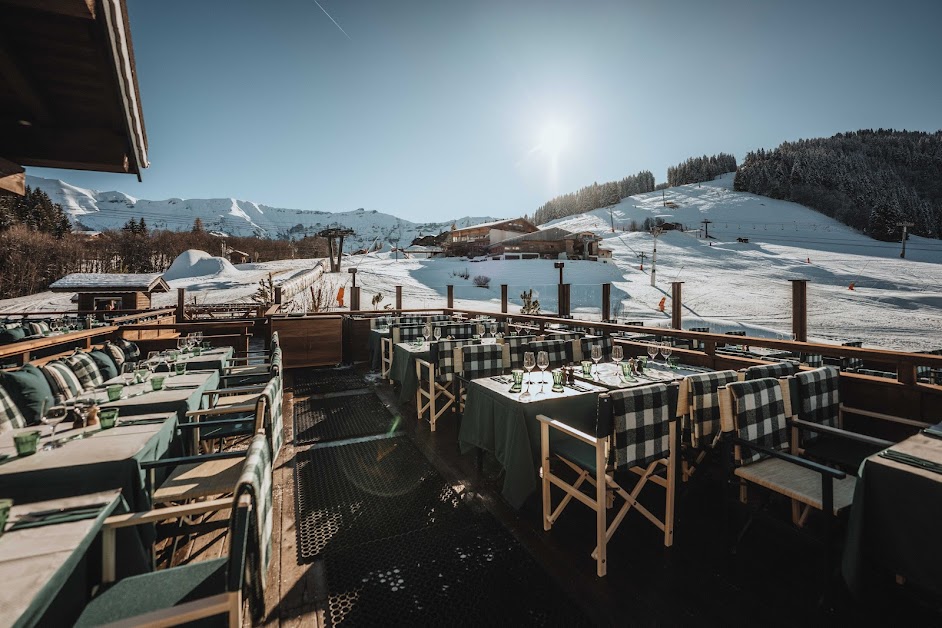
460 330
781 369
698 344
482 360
131 351
759 410
605 342
705 401
518 346
116 353
812 359
820 395
256 482
85 369
850 364
564 335
559 351
642 424
408 333
438 318
274 424
410 320
62 380
10 416
443 357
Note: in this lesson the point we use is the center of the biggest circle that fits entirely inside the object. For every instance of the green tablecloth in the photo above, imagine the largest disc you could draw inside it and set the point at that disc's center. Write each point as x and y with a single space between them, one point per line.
376 348
209 360
496 421
181 393
36 564
894 520
402 370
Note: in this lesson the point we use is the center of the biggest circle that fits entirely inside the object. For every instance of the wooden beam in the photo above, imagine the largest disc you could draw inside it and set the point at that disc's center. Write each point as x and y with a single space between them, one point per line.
78 149
35 109
83 9
12 178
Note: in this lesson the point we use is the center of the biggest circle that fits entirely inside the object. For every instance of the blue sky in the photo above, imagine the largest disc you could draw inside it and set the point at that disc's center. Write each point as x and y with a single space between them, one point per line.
444 108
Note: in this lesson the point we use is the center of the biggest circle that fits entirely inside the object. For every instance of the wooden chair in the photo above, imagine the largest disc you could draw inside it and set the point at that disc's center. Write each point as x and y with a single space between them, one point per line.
698 402
517 347
474 361
435 392
397 333
560 352
643 424
754 416
249 374
197 590
584 346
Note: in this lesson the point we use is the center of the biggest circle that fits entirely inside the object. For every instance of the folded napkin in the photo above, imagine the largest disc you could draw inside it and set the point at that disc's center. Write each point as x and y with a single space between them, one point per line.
66 515
935 431
129 422
913 461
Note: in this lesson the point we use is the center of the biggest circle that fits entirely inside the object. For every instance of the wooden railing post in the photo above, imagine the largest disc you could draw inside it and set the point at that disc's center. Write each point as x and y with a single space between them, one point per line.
676 304
354 298
451 296
800 309
398 297
278 296
563 300
181 305
606 302
503 298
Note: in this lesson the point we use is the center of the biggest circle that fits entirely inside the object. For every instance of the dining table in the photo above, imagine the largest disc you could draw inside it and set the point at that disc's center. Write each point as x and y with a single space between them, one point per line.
180 394
375 344
402 370
44 562
893 528
215 359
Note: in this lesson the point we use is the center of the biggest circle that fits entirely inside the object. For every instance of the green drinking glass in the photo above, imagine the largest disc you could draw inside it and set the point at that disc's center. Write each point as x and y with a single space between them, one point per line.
26 442
518 380
558 381
107 418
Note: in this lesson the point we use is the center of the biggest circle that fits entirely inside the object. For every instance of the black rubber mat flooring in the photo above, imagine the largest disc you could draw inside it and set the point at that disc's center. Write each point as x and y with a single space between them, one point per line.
399 547
354 493
320 381
337 418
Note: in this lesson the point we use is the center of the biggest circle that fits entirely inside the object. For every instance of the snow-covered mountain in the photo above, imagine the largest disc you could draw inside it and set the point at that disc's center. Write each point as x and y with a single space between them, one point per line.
91 210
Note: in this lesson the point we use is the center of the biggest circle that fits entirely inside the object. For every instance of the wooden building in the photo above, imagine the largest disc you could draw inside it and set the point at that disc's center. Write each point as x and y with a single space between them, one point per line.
69 96
117 291
552 243
238 257
489 233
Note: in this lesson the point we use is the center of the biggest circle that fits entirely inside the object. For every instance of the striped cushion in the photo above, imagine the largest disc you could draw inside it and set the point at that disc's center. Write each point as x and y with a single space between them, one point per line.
256 481
85 369
560 351
705 404
62 380
642 422
10 416
759 410
116 353
820 395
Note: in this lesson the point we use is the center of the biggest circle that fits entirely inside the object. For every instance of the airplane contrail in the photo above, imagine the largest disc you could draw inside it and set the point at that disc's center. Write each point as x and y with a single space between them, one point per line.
332 20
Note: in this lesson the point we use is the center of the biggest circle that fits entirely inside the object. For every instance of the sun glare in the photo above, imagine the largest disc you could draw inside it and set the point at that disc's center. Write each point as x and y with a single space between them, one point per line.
554 138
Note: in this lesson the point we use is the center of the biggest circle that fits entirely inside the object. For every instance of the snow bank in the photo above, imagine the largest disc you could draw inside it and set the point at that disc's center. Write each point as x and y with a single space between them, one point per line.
195 263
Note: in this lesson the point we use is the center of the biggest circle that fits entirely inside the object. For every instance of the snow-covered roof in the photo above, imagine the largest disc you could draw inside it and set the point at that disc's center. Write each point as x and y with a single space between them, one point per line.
115 282
495 223
550 235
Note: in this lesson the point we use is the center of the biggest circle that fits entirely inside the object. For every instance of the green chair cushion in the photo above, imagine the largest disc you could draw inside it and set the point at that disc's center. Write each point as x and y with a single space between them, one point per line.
157 590
30 391
105 362
231 429
11 335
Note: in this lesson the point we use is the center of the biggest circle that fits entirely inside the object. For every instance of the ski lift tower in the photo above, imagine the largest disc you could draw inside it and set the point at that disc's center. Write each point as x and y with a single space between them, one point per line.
335 234
655 232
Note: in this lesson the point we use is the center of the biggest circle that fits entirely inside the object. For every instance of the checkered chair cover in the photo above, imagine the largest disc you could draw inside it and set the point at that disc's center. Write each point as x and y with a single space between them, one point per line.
782 369
131 351
605 342
564 335
460 330
439 318
518 346
642 425
409 320
812 359
705 401
62 380
819 395
274 423
759 411
256 482
852 364
116 353
560 351
408 333
10 416
85 369
483 360
697 345
443 357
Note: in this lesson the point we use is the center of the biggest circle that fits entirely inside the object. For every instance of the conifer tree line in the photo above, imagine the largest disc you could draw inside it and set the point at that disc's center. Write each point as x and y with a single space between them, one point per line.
38 246
594 196
699 169
869 180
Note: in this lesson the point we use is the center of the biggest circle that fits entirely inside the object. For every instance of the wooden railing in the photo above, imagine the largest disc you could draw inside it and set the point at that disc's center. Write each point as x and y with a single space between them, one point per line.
231 333
40 350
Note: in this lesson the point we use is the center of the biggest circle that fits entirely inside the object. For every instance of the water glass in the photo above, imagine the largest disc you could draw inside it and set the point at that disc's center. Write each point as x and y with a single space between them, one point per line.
26 442
107 418
180 368
114 391
518 380
666 350
558 381
157 382
586 368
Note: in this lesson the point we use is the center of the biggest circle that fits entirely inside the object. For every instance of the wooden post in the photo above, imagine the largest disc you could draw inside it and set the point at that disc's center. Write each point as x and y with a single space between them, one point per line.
451 296
398 297
563 299
800 309
676 304
503 298
181 305
606 302
354 298
278 296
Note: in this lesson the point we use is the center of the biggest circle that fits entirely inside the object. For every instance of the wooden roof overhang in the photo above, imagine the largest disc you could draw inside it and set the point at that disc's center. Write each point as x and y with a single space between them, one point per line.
69 95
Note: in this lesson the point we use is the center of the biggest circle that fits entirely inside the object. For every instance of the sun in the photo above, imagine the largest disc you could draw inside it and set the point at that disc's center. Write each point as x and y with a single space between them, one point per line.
554 138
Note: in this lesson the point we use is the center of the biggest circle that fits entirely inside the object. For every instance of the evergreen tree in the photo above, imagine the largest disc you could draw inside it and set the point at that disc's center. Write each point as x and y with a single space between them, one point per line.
198 225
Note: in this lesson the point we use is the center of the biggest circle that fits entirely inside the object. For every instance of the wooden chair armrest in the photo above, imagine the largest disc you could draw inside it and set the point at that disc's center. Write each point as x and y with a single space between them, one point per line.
884 417
801 462
172 462
222 411
162 514
235 390
836 431
567 429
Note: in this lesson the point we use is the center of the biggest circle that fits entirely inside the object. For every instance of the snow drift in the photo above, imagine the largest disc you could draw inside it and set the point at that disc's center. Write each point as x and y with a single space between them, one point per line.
195 263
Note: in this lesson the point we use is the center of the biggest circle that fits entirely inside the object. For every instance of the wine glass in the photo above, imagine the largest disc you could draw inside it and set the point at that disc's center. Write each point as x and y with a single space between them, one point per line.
529 361
127 372
181 342
596 357
666 350
437 333
54 416
542 361
494 329
480 329
618 354
652 350
426 332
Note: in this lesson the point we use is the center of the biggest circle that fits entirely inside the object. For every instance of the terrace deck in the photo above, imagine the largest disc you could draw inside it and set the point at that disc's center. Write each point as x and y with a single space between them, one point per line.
773 579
